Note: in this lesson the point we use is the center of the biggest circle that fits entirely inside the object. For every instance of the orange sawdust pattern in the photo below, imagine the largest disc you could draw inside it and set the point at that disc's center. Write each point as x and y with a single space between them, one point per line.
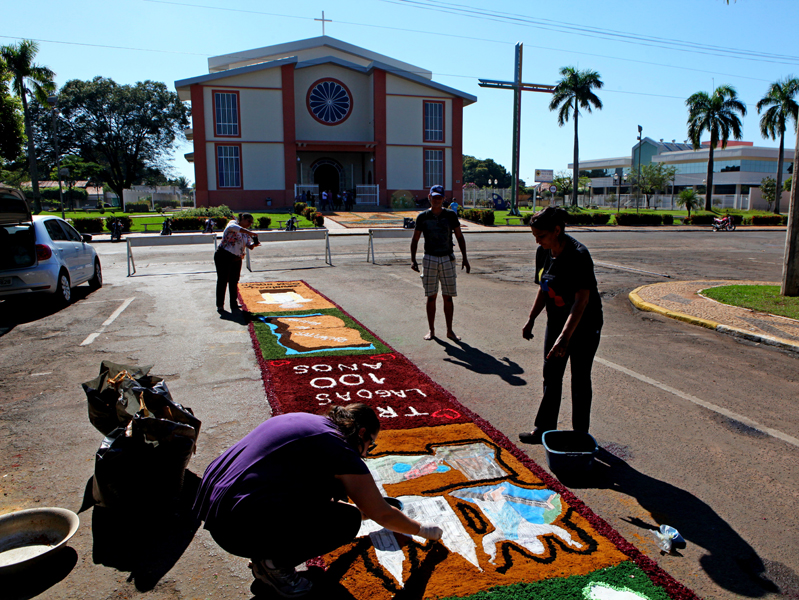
281 296
429 569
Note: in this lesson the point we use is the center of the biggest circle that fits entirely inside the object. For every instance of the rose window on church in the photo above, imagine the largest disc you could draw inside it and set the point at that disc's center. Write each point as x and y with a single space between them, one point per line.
329 101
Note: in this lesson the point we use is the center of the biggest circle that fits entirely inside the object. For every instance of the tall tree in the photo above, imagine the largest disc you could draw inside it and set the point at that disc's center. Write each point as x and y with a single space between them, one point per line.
573 92
480 170
780 106
129 130
716 113
654 178
18 59
11 125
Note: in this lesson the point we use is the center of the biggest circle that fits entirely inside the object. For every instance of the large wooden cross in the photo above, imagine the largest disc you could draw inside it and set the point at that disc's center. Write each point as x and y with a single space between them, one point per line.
518 87
324 21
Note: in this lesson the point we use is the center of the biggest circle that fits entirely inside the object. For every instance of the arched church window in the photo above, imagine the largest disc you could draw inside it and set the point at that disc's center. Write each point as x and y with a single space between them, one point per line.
329 101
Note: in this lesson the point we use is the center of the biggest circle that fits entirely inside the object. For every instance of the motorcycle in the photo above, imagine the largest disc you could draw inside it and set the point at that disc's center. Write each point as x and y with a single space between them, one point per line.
725 223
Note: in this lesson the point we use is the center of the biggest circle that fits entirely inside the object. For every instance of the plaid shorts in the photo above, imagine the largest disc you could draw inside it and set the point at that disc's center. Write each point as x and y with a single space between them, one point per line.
435 268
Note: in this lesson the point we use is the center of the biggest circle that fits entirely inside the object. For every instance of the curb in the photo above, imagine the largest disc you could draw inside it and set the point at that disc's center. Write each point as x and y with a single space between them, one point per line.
641 304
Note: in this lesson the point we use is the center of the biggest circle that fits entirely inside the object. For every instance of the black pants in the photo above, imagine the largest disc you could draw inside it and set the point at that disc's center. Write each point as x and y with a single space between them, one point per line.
228 271
582 348
287 535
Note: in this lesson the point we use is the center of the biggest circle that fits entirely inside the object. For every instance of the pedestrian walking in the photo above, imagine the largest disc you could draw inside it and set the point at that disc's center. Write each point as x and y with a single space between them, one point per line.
568 291
278 496
229 256
438 224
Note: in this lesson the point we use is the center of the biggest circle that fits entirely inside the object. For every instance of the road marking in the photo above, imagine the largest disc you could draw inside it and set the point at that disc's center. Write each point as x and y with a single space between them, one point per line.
107 322
699 402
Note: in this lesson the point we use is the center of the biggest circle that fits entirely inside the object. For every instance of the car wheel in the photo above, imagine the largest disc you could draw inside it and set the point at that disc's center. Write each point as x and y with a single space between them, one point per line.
96 282
63 292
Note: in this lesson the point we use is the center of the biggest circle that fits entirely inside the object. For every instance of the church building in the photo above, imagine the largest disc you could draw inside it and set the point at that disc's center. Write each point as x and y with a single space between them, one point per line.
320 114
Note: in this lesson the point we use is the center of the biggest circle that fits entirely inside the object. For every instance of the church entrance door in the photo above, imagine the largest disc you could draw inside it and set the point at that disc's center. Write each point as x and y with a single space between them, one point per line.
327 177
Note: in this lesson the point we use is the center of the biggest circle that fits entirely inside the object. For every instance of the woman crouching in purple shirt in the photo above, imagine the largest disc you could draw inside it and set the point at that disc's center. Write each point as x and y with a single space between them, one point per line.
276 496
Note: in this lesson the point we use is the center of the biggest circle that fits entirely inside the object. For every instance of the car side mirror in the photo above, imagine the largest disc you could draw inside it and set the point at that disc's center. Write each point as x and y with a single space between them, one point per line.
87 237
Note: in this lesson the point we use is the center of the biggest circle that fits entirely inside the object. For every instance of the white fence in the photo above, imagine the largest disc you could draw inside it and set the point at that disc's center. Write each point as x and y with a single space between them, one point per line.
483 198
367 194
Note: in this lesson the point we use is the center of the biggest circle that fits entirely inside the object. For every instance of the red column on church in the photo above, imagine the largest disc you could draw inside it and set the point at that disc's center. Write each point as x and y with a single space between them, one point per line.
457 149
200 154
381 168
289 133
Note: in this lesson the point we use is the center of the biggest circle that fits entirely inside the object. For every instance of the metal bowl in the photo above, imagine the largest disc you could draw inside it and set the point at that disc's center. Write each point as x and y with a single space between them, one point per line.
27 536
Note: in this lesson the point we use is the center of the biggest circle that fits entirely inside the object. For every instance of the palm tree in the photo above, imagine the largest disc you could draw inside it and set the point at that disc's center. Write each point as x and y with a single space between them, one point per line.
18 59
716 114
781 106
689 200
571 93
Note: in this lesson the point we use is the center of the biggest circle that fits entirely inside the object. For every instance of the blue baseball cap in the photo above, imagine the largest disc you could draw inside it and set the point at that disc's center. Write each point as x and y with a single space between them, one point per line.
437 190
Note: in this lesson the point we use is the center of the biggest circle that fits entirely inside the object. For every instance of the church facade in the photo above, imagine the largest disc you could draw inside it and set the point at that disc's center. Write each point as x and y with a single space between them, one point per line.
320 114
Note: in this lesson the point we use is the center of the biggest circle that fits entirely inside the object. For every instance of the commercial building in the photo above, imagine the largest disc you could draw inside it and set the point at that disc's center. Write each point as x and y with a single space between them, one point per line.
320 114
738 170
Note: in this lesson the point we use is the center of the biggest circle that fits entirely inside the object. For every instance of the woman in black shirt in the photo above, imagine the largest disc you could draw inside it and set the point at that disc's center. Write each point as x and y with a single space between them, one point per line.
568 291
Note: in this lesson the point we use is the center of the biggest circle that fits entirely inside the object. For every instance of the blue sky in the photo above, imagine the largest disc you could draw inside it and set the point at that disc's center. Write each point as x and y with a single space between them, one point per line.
651 55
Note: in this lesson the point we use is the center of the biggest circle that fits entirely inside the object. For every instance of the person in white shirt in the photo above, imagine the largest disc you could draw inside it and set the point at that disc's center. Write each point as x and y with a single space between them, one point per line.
228 258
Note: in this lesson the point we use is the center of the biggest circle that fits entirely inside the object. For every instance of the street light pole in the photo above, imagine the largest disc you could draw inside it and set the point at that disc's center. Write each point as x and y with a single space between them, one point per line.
53 101
640 142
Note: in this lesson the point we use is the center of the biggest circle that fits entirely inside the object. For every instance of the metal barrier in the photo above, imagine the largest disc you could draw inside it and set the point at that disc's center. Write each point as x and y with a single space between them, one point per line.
295 236
384 233
165 240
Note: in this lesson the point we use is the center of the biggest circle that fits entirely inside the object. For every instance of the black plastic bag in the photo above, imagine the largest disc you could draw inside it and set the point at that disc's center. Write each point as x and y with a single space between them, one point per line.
111 403
142 463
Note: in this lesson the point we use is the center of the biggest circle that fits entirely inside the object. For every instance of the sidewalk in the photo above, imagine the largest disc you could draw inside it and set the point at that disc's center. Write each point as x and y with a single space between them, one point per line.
684 301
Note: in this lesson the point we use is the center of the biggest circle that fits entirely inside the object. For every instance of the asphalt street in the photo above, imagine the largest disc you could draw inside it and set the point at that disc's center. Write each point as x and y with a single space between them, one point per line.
729 488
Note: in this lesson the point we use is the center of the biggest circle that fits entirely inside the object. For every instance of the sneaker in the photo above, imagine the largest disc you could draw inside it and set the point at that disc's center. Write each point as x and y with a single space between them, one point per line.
286 582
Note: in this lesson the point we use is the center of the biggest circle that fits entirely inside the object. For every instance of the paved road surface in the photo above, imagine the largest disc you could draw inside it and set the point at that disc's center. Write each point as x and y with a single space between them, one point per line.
729 488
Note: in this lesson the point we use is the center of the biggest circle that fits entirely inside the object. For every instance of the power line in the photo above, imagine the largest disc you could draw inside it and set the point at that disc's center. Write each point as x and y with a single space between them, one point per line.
610 35
11 37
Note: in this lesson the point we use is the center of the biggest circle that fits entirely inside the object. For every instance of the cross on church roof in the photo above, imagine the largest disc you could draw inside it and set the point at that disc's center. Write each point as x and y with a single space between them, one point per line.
324 21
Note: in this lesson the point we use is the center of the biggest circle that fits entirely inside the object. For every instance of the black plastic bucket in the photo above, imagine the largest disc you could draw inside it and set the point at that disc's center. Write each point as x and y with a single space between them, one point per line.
569 452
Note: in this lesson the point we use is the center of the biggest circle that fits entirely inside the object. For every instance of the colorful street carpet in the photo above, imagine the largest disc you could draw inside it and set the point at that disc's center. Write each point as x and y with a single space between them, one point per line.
375 219
511 530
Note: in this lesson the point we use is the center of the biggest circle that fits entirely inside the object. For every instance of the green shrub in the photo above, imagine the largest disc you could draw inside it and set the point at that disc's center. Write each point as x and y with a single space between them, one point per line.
51 193
126 222
638 219
308 212
299 207
668 219
319 219
167 203
188 223
88 225
212 211
264 222
600 218
486 217
768 220
131 207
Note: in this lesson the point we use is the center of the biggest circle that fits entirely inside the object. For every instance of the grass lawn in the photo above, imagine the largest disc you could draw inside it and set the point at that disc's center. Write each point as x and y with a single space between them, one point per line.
763 298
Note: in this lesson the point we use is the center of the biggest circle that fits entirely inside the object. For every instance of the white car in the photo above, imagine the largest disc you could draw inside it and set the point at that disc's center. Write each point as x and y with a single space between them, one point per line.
42 253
